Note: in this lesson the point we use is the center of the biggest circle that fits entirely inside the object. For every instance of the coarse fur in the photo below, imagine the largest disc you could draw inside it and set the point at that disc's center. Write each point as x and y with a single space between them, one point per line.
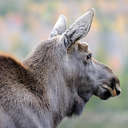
56 80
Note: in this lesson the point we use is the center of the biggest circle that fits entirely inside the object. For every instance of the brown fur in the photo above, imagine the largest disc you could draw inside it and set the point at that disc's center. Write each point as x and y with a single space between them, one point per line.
22 87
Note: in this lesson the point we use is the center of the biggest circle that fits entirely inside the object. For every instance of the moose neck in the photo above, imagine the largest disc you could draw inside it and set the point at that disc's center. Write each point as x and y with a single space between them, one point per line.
49 74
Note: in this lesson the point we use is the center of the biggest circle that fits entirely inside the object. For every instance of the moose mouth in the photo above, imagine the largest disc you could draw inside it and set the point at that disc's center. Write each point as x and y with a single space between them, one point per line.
109 92
112 91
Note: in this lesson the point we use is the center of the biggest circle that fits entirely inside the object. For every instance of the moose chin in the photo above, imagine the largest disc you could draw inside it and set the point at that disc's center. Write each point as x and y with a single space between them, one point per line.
55 81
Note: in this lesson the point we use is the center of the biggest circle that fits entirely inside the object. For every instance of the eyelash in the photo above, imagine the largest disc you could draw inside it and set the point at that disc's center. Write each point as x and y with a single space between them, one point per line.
89 56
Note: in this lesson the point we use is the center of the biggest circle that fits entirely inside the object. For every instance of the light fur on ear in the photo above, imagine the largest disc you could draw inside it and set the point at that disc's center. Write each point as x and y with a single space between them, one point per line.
59 27
82 46
79 28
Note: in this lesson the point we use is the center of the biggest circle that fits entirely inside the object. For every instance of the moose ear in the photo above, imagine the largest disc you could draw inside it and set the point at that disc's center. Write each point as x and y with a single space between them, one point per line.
59 27
78 29
82 46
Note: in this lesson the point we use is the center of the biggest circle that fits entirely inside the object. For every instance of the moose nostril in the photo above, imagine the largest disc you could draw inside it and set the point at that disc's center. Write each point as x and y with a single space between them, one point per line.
113 82
115 85
118 92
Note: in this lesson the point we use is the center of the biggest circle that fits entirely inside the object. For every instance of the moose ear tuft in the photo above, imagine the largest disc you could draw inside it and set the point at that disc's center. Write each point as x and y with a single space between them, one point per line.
79 28
59 27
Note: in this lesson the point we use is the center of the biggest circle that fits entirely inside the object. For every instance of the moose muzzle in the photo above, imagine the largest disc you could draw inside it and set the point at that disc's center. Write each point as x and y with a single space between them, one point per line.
115 91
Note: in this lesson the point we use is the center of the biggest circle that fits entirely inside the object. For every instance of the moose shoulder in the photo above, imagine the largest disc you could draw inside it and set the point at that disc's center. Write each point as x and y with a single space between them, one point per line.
56 80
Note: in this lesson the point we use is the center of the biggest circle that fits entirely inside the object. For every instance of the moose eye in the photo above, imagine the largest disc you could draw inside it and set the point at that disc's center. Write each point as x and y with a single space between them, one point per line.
87 59
89 56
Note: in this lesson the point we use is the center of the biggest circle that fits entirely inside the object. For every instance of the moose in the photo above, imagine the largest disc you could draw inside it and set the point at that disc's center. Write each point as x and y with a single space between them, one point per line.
55 81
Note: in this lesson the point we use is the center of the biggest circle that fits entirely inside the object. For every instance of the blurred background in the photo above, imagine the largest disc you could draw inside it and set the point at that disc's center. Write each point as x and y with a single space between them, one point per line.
23 23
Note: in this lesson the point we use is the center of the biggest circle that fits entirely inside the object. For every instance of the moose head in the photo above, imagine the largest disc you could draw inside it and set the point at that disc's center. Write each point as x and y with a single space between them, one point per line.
82 73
